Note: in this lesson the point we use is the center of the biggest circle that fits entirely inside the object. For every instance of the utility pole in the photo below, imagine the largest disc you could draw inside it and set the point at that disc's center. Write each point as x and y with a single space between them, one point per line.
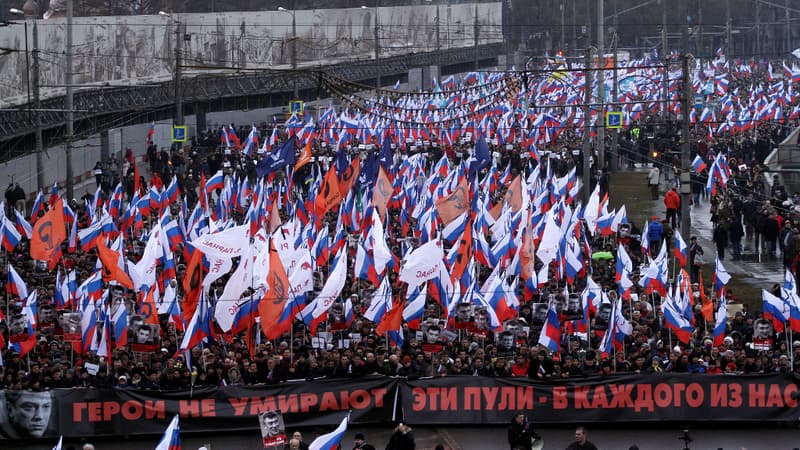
686 163
699 35
614 158
574 46
601 86
476 32
178 74
563 27
68 106
788 26
37 104
438 25
587 143
728 31
378 46
757 46
664 54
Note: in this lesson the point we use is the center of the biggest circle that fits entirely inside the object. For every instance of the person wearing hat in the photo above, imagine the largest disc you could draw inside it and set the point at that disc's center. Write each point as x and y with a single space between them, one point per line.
122 382
673 203
361 442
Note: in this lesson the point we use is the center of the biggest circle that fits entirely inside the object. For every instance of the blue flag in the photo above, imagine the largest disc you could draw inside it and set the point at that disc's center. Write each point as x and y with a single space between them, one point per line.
480 159
276 160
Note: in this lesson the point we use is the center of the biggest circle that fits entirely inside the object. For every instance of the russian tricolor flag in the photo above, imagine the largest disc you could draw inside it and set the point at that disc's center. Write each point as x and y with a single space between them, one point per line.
10 236
775 310
89 327
675 321
721 323
550 335
172 436
680 249
215 182
330 441
16 285
698 164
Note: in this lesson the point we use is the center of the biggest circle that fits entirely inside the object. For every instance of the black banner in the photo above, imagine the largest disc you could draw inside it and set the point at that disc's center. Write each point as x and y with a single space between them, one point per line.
667 397
440 401
123 412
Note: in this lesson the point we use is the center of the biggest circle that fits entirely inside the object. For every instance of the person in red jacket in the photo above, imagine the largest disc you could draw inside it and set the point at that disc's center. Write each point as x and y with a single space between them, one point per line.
673 203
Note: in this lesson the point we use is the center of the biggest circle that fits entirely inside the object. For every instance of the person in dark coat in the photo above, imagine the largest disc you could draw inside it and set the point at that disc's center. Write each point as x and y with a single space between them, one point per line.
735 234
520 433
402 439
770 229
721 239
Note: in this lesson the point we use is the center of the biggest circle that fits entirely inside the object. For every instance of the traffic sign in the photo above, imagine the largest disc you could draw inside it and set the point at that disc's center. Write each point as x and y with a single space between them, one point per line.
614 120
179 133
296 107
698 101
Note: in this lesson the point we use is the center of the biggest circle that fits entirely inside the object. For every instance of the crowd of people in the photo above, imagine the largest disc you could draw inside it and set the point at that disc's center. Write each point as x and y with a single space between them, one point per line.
463 341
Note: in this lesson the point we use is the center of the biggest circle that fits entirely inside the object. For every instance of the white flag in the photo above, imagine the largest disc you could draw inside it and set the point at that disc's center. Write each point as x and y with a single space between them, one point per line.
226 243
422 264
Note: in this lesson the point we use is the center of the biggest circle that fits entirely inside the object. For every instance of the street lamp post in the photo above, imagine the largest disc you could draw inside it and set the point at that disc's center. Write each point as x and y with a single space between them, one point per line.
178 121
16 11
375 32
31 12
293 46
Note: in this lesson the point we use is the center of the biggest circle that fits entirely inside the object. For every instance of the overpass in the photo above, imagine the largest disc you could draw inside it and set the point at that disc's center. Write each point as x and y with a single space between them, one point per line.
104 107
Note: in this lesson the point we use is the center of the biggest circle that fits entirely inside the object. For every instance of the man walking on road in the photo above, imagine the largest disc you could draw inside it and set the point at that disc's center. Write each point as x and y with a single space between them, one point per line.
673 203
580 441
653 179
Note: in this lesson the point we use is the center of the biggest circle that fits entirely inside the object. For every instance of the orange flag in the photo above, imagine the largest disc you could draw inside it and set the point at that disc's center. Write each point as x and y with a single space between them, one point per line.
271 306
305 156
463 254
149 310
136 187
382 192
349 177
329 195
48 233
111 269
392 320
526 255
514 194
192 283
708 305
454 204
274 221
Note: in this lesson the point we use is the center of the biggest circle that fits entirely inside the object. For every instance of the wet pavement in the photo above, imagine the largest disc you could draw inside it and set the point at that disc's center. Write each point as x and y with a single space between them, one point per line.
645 436
760 271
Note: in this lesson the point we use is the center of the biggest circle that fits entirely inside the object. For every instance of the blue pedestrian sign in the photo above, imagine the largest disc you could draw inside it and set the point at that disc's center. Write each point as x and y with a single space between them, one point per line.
296 107
699 101
179 133
614 120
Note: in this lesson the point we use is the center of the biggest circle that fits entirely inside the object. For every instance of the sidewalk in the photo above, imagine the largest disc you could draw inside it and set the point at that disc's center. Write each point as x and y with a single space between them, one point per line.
749 270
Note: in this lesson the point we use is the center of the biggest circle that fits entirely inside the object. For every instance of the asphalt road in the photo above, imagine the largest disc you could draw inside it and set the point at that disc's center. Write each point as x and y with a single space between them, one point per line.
606 437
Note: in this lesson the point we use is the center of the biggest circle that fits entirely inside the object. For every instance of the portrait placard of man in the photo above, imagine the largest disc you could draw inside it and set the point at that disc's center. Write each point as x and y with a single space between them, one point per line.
273 430
432 337
464 319
70 324
574 308
18 325
144 337
539 314
28 414
506 343
603 318
763 334
482 325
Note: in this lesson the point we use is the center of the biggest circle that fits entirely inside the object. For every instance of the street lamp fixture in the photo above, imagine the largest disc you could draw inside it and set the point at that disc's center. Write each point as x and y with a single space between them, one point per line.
178 120
293 47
